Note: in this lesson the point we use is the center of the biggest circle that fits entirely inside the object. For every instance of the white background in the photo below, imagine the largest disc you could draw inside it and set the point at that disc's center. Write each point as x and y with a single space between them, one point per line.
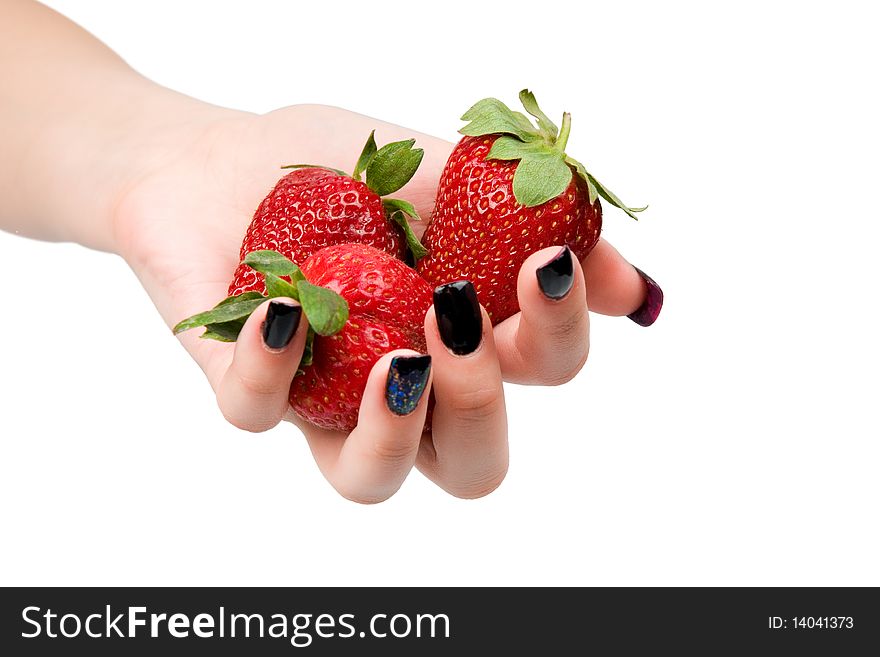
735 442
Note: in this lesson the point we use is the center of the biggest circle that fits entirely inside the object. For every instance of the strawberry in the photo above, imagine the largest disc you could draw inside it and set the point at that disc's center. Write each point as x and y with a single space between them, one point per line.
313 207
360 302
387 303
508 190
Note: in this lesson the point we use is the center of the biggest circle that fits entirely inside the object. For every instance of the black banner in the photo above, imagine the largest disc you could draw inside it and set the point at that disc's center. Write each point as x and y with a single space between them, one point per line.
439 621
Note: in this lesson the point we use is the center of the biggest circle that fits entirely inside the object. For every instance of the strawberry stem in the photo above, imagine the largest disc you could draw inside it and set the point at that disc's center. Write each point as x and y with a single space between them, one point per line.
564 132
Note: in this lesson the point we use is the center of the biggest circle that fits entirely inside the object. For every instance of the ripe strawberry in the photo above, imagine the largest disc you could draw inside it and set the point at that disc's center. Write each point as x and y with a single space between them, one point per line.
387 303
360 302
313 207
508 190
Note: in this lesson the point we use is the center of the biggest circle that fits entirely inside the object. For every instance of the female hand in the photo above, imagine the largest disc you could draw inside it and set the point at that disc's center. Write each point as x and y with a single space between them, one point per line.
180 227
171 184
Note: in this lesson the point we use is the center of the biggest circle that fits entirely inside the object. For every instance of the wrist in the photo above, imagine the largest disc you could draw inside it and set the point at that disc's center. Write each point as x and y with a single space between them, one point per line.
96 153
154 128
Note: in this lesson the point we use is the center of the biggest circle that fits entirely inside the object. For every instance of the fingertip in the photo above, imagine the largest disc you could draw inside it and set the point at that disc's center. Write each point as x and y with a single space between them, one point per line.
548 342
614 286
458 321
282 319
549 276
378 455
253 392
409 378
397 384
647 313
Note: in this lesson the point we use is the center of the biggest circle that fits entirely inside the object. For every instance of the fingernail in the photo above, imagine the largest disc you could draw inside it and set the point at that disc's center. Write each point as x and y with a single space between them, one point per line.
282 320
647 313
407 379
458 317
557 276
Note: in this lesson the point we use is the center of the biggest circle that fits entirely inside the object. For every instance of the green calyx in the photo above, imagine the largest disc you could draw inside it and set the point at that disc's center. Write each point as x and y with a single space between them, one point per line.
397 210
544 170
387 169
326 311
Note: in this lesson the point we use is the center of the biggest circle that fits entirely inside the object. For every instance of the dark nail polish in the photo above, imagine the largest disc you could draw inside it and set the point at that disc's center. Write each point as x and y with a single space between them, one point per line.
647 313
557 276
282 320
458 316
407 379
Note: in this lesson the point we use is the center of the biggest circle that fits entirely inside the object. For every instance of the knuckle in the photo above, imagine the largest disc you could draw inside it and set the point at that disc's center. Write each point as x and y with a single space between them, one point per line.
255 418
479 402
566 372
568 329
559 355
478 486
257 386
394 451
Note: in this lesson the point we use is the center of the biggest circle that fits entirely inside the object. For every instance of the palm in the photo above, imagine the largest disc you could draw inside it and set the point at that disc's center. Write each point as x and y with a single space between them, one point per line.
181 226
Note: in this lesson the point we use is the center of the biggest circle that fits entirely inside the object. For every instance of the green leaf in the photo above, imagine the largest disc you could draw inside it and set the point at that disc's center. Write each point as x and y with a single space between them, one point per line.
393 166
314 166
547 127
397 210
582 172
609 196
227 310
544 170
297 276
219 337
278 287
308 356
224 331
366 155
490 116
539 178
271 262
511 148
592 191
228 331
244 296
326 311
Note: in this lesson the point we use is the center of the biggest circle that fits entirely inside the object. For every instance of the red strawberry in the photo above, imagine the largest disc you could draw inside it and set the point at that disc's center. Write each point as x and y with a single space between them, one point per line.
387 303
360 302
313 207
508 190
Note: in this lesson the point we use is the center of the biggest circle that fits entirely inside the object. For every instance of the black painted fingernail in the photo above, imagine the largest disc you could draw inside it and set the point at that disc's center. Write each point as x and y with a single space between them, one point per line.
282 320
557 276
648 312
407 379
458 316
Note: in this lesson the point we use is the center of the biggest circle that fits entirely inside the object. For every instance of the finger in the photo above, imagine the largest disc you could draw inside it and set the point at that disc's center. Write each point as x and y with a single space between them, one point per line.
253 392
466 454
547 343
370 464
615 287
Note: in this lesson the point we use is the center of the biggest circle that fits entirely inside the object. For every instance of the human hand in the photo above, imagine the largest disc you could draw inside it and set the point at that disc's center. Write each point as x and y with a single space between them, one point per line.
180 222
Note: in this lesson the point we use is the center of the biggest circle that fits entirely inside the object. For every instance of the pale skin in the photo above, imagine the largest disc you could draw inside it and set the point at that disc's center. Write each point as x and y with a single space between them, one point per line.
96 154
